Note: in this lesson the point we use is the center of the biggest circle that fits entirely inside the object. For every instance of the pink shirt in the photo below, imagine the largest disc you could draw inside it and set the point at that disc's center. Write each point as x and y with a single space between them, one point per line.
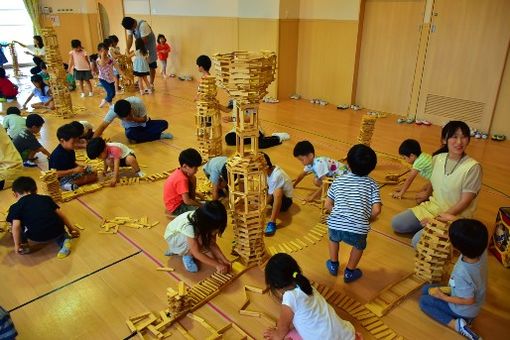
175 185
80 60
117 150
106 71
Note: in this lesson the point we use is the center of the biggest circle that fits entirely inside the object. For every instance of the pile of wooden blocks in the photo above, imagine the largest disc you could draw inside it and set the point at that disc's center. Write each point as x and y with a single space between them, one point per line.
111 226
127 79
299 243
51 185
433 252
326 183
366 129
14 56
247 312
158 176
82 190
57 81
208 119
178 300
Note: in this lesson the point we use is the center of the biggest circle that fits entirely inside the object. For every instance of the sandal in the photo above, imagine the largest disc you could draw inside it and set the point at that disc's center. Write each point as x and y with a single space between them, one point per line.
74 233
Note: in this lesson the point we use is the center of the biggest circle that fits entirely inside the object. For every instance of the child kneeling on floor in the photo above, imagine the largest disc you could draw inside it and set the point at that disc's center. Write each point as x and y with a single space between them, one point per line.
37 218
468 281
192 232
303 307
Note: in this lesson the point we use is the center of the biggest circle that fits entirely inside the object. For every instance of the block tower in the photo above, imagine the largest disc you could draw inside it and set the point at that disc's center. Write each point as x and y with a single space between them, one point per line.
57 82
366 129
127 79
208 119
14 56
246 76
433 252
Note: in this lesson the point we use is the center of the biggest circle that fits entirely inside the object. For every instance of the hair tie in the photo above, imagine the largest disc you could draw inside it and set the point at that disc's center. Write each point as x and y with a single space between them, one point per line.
295 274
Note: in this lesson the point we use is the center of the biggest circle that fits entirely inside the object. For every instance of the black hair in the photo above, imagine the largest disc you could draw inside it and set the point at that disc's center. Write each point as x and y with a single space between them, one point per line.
448 131
66 66
283 271
102 46
122 108
107 42
408 147
93 57
268 160
39 41
95 147
24 184
128 23
160 36
38 79
13 110
66 132
205 62
140 45
469 236
75 43
224 172
113 38
303 148
208 218
361 159
34 119
42 65
2 72
78 128
190 157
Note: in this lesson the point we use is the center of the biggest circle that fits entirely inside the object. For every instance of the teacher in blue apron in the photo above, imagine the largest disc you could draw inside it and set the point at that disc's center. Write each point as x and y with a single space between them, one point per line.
141 29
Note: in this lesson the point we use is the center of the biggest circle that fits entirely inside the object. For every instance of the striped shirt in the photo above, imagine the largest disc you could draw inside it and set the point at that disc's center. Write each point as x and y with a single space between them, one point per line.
423 164
353 197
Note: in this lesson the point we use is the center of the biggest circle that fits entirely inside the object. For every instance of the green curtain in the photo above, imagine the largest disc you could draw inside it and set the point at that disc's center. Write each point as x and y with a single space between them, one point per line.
32 7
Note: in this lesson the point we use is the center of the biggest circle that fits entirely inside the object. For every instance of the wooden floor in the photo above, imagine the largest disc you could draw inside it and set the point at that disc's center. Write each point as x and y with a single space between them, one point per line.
108 278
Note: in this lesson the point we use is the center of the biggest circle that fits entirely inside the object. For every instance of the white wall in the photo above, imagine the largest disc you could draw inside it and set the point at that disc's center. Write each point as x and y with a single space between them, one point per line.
329 9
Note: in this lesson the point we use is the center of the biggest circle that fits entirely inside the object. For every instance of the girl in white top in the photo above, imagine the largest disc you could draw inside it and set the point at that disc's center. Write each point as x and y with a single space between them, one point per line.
302 306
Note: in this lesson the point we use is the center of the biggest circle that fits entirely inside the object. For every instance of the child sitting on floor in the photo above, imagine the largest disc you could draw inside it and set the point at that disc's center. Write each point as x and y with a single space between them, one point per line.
27 144
41 91
321 167
37 218
63 159
83 133
13 122
8 91
180 187
44 72
279 193
468 281
216 171
114 155
192 232
303 307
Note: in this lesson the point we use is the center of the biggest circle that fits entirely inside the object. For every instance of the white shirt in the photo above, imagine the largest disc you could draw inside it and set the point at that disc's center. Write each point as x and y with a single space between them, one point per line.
279 179
143 27
314 318
181 225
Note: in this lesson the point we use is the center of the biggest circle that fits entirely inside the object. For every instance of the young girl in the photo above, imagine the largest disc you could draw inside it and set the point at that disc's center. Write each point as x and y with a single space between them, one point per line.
106 77
41 91
163 50
79 62
302 306
114 53
38 54
141 66
191 232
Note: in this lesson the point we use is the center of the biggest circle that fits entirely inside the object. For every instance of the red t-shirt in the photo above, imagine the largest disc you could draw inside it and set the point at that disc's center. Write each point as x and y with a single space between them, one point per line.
7 89
163 51
175 185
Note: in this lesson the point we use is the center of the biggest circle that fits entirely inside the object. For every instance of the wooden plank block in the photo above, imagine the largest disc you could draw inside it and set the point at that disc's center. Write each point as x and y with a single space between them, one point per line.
379 326
370 321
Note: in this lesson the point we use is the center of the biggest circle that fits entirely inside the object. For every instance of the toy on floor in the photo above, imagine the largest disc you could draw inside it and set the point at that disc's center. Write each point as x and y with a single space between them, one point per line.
366 129
313 236
111 226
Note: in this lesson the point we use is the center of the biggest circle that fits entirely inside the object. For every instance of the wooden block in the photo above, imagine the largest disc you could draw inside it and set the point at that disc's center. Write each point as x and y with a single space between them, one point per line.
388 334
181 288
79 227
249 313
254 289
310 240
376 325
313 237
165 269
370 321
296 245
301 243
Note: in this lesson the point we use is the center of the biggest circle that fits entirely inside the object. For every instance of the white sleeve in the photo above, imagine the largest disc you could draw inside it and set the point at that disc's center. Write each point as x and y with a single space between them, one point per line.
289 300
129 32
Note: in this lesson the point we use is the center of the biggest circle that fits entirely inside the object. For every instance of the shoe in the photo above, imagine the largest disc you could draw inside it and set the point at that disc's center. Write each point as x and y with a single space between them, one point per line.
352 275
463 329
478 135
498 138
484 136
295 96
355 107
103 103
418 122
426 123
282 135
401 120
332 267
91 94
69 186
270 229
82 95
342 106
29 164
373 113
322 102
140 173
472 132
189 263
65 250
410 120
148 91
166 135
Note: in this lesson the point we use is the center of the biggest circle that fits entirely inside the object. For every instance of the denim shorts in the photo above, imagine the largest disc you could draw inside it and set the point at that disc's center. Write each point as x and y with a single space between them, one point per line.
358 241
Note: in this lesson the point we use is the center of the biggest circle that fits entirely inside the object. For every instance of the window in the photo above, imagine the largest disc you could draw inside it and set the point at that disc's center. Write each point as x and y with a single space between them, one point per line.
15 24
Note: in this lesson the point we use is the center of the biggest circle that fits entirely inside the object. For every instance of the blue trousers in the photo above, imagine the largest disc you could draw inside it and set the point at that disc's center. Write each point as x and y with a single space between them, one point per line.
151 131
110 90
438 309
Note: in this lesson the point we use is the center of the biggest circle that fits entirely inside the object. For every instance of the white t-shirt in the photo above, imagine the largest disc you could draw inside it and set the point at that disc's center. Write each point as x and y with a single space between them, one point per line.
143 27
314 318
280 179
86 126
181 225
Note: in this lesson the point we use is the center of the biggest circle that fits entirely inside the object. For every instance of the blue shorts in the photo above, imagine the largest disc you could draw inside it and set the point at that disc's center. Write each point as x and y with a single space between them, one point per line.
358 241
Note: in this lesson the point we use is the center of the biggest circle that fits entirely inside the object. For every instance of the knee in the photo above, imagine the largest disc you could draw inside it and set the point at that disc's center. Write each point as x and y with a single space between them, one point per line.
425 302
397 224
416 239
317 182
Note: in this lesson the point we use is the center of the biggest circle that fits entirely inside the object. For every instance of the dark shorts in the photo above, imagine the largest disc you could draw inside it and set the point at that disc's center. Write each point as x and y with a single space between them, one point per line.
358 241
286 203
140 74
123 160
181 209
82 75
153 65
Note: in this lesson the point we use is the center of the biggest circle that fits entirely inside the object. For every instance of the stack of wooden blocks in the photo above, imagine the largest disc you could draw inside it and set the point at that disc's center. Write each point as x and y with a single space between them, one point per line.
208 119
433 252
178 300
127 80
367 129
51 185
57 81
14 56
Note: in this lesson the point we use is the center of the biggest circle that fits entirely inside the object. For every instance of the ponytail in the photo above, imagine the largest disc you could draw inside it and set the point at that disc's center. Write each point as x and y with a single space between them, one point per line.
442 149
283 271
303 283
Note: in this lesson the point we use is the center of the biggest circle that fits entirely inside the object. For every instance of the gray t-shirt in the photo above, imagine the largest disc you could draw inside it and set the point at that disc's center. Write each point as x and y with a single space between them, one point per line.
25 140
468 280
212 168
137 110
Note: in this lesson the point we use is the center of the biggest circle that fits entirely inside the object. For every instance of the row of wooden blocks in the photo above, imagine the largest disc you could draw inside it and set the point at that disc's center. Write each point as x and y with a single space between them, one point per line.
111 226
312 237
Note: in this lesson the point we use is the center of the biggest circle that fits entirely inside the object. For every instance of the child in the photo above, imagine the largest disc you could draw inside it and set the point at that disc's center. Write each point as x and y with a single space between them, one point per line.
13 122
106 77
93 66
279 193
204 65
8 91
83 132
354 200
141 66
44 72
163 50
41 91
410 150
63 159
192 232
71 83
321 167
80 63
37 218
303 307
468 281
179 188
26 143
114 155
114 53
216 171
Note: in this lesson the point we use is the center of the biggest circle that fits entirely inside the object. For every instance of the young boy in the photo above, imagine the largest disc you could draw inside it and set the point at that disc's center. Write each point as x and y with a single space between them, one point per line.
83 133
37 218
216 171
44 72
204 65
468 281
26 143
280 193
71 83
63 159
354 200
180 187
321 167
410 150
13 122
114 155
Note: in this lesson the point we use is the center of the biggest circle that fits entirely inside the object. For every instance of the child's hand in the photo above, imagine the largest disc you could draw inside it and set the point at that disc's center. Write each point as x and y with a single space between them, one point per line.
424 222
222 268
436 292
309 199
269 333
397 194
446 217
79 169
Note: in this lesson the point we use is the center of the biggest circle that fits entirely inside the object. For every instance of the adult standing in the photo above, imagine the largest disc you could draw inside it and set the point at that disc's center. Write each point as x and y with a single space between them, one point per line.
141 29
456 181
137 125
